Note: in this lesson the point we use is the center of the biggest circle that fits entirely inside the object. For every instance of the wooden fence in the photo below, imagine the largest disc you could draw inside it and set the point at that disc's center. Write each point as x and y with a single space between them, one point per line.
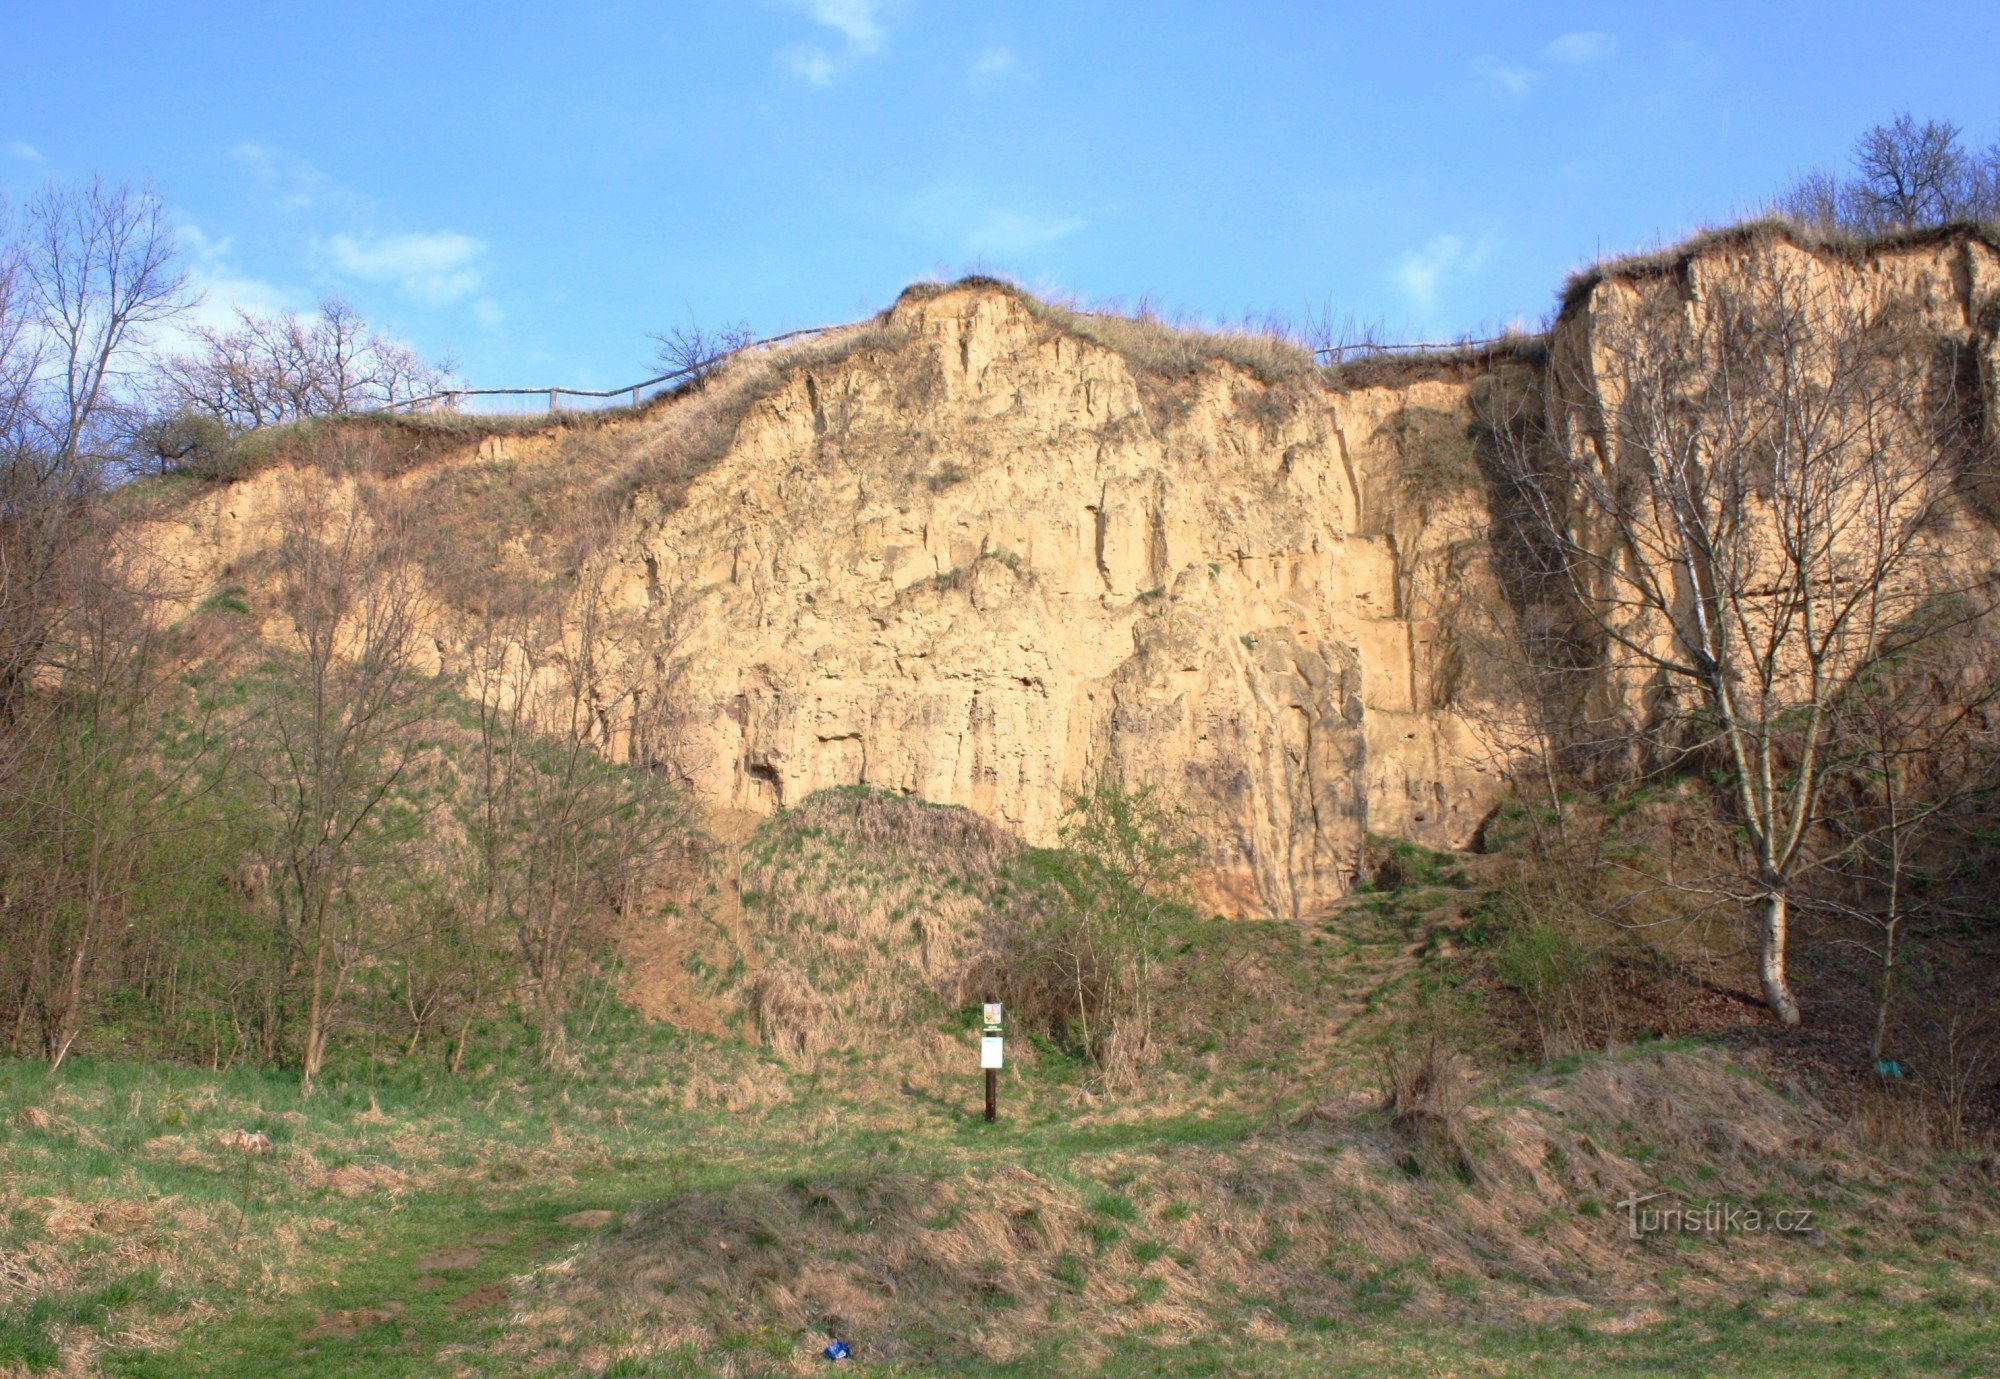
631 395
453 399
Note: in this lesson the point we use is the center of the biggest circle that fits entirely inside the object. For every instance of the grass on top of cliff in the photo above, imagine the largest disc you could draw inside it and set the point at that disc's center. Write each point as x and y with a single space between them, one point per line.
603 453
1839 245
1154 345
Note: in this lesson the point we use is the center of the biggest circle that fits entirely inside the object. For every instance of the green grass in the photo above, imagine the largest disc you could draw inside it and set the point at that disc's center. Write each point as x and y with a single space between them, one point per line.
494 1163
403 1218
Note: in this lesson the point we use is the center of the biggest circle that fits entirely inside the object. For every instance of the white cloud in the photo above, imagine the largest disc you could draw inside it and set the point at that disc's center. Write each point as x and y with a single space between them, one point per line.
22 149
434 268
994 65
1008 230
859 23
1424 272
223 289
1581 47
814 66
960 217
487 312
225 292
1510 79
295 182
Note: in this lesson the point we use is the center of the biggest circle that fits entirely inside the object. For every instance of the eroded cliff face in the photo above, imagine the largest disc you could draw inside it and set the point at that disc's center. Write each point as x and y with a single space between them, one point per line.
978 568
977 559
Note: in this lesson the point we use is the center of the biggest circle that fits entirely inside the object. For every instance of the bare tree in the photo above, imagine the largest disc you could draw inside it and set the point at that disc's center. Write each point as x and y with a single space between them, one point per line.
101 273
1910 174
1741 488
1906 175
696 351
565 841
342 728
266 370
94 787
1816 198
90 274
1911 782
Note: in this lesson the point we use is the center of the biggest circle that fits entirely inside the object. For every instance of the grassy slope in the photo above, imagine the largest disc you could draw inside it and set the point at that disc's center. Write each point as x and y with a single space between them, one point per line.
446 1171
1250 1211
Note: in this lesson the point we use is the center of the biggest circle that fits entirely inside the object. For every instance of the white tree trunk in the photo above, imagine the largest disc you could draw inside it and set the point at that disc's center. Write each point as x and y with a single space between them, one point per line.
1777 991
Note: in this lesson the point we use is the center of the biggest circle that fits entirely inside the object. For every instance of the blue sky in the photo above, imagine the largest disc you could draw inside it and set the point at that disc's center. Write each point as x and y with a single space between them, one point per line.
532 188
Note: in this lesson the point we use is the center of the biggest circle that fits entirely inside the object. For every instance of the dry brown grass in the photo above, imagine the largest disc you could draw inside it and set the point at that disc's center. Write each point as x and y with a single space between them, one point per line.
867 911
1152 344
1324 1220
1838 245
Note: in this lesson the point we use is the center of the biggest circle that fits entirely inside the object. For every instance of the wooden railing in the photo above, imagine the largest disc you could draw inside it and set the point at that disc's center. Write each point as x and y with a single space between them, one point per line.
451 399
632 394
1340 354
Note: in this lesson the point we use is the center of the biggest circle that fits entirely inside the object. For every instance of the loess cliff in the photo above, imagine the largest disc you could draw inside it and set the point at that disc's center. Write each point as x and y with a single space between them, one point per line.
980 549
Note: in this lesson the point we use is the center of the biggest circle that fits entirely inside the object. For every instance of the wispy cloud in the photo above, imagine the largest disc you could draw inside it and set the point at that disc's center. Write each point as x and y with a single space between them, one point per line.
1011 230
295 182
994 66
1424 272
1581 47
958 217
1517 79
222 288
861 31
427 268
813 66
1509 79
857 21
434 268
22 149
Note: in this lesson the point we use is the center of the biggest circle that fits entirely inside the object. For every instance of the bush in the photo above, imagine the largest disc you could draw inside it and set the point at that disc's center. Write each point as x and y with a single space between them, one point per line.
1088 958
1548 968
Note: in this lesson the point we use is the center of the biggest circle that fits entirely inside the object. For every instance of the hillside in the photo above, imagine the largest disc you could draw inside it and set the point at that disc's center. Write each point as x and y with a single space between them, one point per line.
980 549
517 897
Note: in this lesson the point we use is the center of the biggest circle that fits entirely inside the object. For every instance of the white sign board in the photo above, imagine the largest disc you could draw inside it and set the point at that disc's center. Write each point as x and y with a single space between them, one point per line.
989 1052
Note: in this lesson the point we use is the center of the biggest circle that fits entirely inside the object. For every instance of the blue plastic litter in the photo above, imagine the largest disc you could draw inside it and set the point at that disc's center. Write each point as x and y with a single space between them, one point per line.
837 1351
1889 1068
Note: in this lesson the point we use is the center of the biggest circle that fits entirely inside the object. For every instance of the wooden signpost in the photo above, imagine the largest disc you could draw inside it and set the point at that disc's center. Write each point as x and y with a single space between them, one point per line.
990 1058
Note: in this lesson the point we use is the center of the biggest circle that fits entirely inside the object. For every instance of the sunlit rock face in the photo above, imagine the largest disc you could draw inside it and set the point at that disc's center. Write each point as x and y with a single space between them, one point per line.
979 559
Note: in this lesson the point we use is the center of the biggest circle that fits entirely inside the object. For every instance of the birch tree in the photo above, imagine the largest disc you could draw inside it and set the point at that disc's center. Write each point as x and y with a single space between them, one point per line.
1746 489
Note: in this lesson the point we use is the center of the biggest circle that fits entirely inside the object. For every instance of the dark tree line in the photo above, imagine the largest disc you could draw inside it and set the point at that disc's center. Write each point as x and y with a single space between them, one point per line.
1904 176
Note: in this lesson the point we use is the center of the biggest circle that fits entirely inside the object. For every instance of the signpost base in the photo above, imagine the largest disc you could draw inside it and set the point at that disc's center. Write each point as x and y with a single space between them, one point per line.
992 1095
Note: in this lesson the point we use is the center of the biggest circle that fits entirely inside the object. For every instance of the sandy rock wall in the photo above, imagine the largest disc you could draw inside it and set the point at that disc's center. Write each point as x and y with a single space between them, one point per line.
977 561
1025 578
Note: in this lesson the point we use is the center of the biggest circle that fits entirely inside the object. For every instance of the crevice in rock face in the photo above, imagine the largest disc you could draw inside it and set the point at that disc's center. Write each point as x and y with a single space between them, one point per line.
819 412
1101 522
1156 541
766 775
1347 464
